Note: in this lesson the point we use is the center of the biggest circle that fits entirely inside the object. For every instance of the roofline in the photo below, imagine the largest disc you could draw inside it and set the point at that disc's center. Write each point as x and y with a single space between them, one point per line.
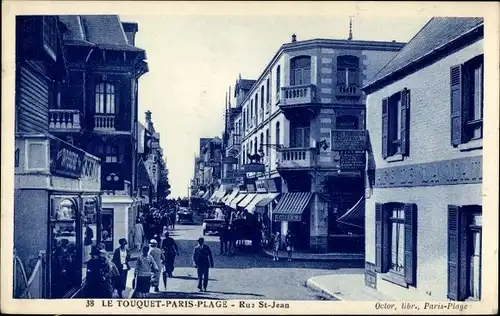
431 56
323 43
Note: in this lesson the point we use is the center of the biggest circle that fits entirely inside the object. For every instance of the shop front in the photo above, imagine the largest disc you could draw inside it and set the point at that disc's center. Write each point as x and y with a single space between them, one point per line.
116 218
57 209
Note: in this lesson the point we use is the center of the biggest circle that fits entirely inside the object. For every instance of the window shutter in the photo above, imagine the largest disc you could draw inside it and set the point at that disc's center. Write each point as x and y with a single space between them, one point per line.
457 242
456 105
405 122
385 128
378 236
410 243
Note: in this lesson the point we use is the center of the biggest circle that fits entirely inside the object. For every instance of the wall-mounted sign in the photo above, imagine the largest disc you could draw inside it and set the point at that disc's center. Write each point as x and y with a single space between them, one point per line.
352 160
261 185
66 160
274 185
287 217
254 167
230 160
348 140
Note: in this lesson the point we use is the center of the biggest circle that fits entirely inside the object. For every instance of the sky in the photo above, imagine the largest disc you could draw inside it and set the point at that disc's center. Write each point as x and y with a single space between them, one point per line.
193 59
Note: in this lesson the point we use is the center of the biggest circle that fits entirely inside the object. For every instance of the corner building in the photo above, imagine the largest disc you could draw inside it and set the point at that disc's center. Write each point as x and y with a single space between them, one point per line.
309 91
424 173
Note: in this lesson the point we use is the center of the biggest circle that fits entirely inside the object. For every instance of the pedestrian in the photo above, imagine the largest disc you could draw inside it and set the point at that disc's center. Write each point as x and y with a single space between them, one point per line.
142 274
121 259
289 245
138 234
99 277
203 261
157 255
88 242
170 250
223 239
276 246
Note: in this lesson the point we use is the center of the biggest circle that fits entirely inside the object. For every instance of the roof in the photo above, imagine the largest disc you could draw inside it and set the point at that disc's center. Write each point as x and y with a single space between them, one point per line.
246 84
437 32
103 31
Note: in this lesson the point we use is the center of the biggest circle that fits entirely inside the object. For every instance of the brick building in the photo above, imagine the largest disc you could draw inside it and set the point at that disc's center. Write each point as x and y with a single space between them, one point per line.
424 175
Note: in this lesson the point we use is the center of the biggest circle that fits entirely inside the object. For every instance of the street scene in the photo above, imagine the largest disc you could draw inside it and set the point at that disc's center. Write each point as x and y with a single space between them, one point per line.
248 159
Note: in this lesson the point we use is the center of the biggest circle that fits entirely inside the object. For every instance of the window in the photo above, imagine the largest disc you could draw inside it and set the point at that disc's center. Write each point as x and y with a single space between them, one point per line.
262 140
300 73
347 71
346 122
396 124
277 133
105 98
466 82
464 252
278 83
250 121
256 107
255 146
395 242
268 140
111 159
268 92
244 118
111 154
300 135
262 100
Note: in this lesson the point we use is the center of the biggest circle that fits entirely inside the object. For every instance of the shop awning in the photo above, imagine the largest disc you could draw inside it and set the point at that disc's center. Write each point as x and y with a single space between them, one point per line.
354 216
230 196
219 194
237 200
205 196
291 206
260 206
246 201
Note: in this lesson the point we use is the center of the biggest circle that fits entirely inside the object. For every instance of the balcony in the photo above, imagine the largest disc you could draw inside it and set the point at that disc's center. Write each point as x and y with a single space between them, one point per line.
298 95
348 91
104 122
64 120
296 158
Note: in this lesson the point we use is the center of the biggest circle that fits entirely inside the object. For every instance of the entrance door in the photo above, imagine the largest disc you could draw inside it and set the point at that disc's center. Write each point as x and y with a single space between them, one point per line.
107 228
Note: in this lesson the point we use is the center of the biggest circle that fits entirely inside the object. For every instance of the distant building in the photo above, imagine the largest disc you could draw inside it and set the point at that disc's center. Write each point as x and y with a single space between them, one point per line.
424 174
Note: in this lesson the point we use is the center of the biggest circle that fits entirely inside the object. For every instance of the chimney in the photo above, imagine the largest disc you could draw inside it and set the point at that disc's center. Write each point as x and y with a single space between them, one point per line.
130 29
149 124
294 38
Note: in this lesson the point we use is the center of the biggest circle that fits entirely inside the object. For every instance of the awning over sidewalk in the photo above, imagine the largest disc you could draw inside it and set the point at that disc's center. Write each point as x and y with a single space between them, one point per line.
291 206
356 215
219 194
205 196
260 206
230 196
246 201
234 202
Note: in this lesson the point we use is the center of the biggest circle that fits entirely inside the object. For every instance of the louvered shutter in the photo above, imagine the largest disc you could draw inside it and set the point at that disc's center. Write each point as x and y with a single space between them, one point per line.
385 128
410 243
457 243
378 236
405 122
456 105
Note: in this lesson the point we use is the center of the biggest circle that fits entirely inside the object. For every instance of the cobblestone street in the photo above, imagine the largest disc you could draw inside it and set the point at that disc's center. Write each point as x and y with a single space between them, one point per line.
245 275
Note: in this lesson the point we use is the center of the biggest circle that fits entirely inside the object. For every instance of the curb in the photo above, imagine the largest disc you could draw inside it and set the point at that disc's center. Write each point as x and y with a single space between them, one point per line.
340 258
311 284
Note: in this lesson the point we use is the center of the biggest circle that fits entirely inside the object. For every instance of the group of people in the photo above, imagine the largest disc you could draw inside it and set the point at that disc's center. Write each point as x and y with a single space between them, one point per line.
150 221
289 244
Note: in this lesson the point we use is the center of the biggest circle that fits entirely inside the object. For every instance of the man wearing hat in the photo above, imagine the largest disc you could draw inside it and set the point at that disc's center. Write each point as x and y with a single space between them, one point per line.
203 261
157 255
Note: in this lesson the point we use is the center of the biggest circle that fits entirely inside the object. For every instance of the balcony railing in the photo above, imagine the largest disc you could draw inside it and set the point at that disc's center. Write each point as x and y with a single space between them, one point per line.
291 158
297 95
104 122
64 120
351 90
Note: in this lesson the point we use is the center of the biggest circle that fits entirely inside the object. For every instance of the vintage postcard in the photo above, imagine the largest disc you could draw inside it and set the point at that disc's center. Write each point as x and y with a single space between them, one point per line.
249 157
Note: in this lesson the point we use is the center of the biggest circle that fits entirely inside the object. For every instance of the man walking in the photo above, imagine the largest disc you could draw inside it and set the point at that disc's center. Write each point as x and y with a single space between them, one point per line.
203 261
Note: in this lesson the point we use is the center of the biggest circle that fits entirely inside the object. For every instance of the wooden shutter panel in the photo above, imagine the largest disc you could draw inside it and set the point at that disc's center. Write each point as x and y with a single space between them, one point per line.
457 246
410 243
405 122
385 128
378 236
456 105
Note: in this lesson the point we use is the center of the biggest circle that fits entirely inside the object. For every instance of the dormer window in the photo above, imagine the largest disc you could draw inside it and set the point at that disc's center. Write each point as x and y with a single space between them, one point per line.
105 98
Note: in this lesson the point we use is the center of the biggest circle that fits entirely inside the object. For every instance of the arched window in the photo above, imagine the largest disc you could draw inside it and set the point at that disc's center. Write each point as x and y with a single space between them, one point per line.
256 107
105 98
268 90
268 141
346 122
277 133
262 98
255 146
262 140
278 79
250 121
300 73
244 118
347 71
250 147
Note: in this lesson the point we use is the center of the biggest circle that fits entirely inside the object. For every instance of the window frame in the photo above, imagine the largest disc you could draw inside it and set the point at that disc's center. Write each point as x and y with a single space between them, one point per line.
107 104
298 71
346 67
396 126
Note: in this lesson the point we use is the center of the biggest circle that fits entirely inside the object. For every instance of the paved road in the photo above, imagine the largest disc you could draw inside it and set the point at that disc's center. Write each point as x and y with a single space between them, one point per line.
244 276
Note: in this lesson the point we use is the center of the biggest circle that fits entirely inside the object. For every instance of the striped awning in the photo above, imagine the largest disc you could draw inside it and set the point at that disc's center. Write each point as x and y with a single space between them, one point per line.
260 206
234 202
258 197
230 196
291 206
219 194
246 201
355 216
205 196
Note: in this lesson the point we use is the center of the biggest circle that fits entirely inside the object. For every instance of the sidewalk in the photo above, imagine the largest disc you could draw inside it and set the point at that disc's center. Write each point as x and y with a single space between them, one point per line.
346 287
304 256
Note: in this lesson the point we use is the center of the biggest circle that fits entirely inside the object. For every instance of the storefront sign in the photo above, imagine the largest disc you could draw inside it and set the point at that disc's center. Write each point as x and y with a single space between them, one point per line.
251 188
254 167
261 185
273 185
348 140
370 275
352 160
287 217
456 171
65 159
90 168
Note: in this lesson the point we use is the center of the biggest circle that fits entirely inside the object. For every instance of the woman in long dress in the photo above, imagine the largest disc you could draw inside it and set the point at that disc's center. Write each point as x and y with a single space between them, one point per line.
158 257
138 234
